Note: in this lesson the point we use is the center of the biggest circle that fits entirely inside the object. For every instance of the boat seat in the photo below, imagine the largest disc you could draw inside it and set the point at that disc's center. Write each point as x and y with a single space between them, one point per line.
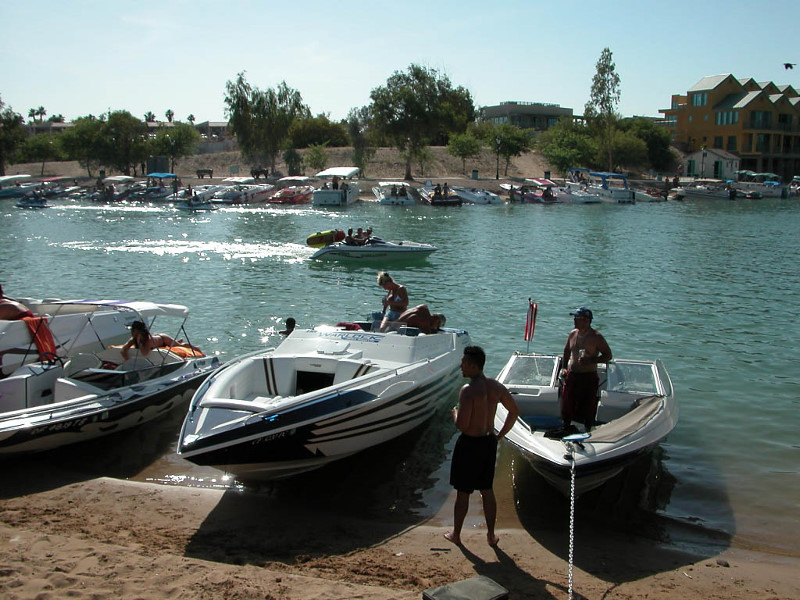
81 362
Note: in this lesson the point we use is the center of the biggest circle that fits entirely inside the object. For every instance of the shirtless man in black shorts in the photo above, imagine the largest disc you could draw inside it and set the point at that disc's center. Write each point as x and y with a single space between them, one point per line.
472 466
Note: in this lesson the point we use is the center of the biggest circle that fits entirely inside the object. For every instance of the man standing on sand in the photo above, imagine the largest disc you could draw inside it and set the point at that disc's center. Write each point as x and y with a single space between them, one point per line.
584 350
474 456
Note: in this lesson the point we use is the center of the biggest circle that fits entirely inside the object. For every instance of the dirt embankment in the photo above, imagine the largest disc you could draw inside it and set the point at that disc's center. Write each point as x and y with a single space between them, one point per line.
385 164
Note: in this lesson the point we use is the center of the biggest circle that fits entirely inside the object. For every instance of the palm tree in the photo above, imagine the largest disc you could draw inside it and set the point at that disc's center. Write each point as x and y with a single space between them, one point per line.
190 118
169 114
32 114
41 112
149 117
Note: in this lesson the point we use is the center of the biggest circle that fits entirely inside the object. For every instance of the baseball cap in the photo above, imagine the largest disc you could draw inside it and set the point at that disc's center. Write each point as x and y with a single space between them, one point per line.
582 312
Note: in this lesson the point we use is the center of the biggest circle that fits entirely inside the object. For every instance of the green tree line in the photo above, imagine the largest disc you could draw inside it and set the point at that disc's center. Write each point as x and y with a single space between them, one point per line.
415 109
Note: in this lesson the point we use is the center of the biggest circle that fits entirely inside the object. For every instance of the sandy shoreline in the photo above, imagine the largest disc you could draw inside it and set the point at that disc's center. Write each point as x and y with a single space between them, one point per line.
107 537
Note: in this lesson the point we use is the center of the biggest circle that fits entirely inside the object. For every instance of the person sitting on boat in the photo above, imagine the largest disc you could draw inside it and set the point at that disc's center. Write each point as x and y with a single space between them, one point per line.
349 239
547 194
144 341
402 192
437 191
422 318
393 192
584 350
11 310
335 183
445 190
395 302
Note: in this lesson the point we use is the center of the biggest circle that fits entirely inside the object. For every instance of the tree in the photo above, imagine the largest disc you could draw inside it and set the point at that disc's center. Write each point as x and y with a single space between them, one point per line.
122 139
419 107
170 114
316 157
12 133
59 118
191 119
41 112
600 111
567 144
505 140
32 114
658 139
358 128
464 146
628 150
260 120
317 130
176 142
81 142
149 117
293 160
43 147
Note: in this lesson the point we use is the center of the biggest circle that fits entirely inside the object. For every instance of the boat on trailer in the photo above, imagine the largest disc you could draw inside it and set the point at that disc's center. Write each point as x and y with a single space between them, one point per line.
323 394
637 410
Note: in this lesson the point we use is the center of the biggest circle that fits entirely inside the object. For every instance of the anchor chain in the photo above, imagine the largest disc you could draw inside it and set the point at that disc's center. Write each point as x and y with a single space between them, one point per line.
570 448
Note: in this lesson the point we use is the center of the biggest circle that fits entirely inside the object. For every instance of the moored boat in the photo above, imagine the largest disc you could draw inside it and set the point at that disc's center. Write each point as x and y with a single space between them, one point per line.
440 196
292 193
323 394
477 195
90 393
637 410
341 187
394 193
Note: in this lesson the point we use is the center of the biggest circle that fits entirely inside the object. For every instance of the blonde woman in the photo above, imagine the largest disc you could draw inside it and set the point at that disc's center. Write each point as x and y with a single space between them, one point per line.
395 302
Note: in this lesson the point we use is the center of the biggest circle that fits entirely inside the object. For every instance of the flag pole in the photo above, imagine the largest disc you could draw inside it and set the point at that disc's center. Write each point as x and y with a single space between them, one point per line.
530 323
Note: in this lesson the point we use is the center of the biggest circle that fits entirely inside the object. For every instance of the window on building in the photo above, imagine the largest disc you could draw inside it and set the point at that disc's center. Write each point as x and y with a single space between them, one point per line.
727 117
699 99
718 141
762 142
760 119
731 147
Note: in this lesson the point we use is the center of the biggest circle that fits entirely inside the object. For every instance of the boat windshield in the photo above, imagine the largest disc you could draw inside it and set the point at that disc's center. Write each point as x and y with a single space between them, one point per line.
531 370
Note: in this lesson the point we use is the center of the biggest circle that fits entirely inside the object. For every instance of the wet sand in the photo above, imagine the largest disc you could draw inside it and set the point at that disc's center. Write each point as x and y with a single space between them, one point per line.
74 524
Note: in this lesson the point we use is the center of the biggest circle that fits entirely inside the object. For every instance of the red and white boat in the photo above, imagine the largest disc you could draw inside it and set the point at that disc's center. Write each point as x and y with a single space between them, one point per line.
293 190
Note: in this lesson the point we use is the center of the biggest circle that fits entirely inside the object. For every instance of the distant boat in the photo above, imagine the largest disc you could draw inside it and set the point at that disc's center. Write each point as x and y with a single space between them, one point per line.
294 189
440 196
394 193
375 249
33 200
14 186
477 195
340 187
610 187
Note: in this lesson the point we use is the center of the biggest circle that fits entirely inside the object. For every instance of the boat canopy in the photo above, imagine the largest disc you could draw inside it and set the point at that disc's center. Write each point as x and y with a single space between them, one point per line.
162 175
146 309
238 180
12 178
294 178
118 179
345 172
391 183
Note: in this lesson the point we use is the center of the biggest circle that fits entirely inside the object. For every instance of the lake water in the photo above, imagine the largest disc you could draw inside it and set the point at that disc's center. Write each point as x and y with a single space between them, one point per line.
710 288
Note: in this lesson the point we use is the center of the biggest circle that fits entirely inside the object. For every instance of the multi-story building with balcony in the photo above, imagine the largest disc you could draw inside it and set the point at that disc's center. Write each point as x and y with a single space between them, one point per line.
758 122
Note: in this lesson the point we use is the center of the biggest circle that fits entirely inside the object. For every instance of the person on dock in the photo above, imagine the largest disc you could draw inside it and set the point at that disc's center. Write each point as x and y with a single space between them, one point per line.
475 452
584 350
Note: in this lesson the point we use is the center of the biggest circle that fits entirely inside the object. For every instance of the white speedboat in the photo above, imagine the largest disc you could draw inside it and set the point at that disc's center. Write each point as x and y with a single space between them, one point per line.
440 196
394 193
477 195
195 205
637 410
341 187
609 187
321 395
243 193
705 189
84 395
375 248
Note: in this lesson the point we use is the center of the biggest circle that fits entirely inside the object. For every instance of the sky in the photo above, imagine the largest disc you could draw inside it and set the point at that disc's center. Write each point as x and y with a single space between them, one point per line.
88 57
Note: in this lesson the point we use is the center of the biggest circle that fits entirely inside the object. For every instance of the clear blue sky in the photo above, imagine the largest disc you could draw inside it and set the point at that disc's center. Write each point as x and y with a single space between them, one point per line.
85 56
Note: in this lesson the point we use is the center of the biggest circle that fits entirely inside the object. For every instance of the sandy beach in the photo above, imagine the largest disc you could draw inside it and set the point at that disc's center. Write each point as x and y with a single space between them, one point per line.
68 534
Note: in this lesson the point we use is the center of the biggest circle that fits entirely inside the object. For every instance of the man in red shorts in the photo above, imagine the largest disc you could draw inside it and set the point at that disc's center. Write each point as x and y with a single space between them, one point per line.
584 350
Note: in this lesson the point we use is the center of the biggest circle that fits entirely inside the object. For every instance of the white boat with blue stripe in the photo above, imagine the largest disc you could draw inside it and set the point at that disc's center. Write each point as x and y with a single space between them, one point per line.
323 394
